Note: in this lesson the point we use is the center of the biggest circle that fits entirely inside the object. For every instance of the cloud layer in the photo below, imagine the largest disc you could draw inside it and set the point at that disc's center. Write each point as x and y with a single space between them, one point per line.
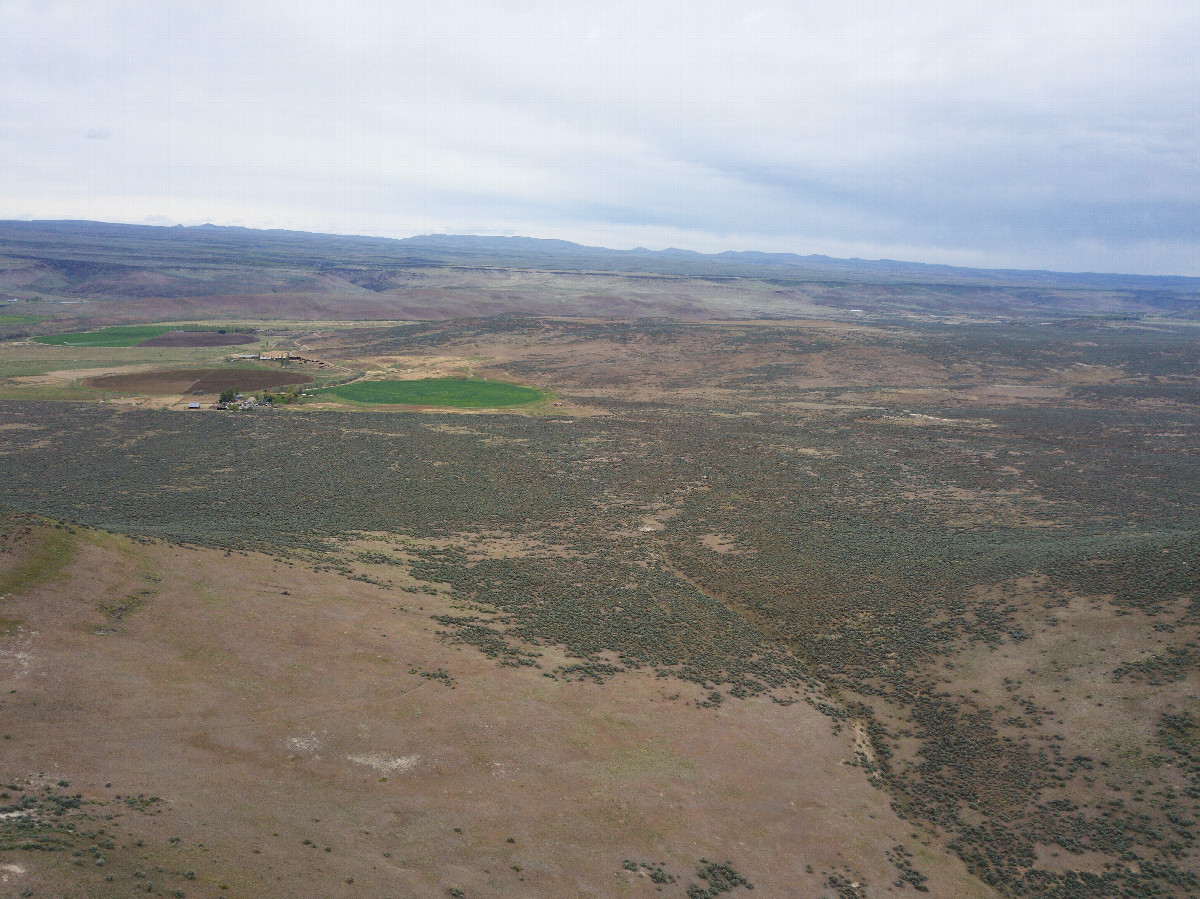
1009 134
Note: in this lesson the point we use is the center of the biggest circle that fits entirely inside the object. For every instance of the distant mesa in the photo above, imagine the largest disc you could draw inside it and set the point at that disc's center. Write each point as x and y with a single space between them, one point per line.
170 273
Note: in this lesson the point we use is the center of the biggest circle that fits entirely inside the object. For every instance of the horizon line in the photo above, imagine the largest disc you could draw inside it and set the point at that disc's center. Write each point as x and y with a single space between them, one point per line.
597 247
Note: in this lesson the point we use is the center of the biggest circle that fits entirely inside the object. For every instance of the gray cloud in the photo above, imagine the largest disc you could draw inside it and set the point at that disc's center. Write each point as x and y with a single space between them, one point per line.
1009 134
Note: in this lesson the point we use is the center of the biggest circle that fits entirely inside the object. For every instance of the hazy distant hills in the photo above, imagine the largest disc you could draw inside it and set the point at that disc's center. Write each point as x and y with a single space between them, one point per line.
240 271
751 264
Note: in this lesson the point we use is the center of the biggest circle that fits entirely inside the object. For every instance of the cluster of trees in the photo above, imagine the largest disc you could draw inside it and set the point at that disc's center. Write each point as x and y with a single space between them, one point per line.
286 395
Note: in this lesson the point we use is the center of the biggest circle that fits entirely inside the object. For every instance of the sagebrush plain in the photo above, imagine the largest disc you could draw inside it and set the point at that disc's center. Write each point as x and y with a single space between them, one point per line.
793 576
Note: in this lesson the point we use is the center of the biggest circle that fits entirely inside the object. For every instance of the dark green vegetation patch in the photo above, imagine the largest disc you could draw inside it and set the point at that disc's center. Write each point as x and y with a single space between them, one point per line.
459 393
148 335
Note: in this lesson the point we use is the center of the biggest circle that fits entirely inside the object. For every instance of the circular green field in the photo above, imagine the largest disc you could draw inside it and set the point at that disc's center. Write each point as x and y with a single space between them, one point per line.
453 392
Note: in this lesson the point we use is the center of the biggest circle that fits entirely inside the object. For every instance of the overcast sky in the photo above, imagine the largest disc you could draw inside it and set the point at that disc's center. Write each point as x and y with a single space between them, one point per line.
1061 135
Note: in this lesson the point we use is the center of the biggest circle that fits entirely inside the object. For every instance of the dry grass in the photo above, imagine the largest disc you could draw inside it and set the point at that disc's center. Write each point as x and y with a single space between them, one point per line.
264 701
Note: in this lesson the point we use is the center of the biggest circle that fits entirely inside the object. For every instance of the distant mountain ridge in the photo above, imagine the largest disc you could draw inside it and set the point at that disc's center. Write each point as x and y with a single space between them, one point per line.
153 273
17 237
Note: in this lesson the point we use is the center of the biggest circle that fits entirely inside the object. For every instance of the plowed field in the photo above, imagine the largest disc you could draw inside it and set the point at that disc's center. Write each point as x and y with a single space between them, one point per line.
165 382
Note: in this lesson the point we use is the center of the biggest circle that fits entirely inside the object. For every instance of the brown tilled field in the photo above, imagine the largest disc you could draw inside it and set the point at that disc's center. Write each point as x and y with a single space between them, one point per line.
171 381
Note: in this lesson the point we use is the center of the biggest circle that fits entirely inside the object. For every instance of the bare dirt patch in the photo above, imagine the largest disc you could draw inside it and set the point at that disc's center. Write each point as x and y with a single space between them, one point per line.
173 381
721 543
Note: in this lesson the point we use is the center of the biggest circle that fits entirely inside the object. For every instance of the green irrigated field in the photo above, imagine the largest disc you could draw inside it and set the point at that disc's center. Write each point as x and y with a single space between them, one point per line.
122 335
458 393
